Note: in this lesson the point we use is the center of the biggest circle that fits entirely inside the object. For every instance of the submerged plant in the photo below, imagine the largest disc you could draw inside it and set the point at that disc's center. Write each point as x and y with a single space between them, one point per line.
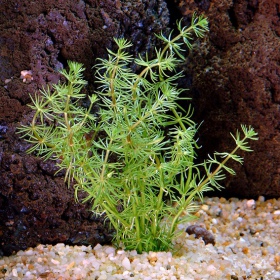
134 158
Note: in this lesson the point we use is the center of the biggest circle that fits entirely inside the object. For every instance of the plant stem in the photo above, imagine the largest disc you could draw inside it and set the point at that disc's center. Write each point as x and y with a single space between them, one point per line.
200 186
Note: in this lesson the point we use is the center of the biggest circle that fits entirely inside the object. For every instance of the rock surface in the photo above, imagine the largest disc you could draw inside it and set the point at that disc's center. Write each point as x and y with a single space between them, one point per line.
236 80
35 205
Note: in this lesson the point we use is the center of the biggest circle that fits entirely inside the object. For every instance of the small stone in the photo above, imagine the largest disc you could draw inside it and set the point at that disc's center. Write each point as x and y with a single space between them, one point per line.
211 269
7 81
126 263
26 76
152 258
55 261
245 250
14 272
97 247
205 207
251 204
70 265
239 219
199 231
277 259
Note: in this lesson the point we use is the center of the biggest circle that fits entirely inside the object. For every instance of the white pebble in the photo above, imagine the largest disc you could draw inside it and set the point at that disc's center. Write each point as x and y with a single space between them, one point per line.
14 272
126 263
55 261
251 204
97 247
214 221
211 269
110 250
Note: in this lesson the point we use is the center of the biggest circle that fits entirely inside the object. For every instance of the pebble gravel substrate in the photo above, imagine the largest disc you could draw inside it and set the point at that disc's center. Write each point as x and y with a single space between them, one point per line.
247 235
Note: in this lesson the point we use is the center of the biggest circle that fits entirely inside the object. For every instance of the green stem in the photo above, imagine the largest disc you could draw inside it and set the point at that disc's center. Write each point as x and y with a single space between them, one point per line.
105 161
143 72
199 187
113 215
112 78
137 226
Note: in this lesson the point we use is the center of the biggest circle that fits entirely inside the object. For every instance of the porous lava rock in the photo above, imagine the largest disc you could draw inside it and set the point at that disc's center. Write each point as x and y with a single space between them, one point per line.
40 36
235 79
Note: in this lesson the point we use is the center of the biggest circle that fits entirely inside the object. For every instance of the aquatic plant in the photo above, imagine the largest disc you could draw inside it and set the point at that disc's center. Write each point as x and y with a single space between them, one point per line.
134 157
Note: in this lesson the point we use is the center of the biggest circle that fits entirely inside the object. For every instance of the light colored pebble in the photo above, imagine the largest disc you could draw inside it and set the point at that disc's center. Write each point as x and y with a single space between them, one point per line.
251 203
126 263
205 207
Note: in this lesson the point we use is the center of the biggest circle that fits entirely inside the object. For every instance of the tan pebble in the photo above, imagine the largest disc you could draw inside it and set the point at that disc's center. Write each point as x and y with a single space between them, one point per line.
225 215
70 265
226 207
24 259
276 217
207 225
235 216
245 250
197 214
222 267
226 243
205 207
214 230
234 234
277 259
30 266
191 237
152 260
264 252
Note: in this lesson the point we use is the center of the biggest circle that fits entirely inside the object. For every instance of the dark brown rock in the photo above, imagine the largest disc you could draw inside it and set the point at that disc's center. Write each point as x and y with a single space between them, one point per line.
201 232
35 204
236 80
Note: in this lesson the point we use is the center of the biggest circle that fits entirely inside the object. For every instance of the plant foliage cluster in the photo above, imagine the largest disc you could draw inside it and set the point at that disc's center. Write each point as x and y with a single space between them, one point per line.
135 158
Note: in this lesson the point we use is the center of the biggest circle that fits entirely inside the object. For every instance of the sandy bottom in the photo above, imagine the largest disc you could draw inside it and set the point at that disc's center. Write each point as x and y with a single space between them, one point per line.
247 235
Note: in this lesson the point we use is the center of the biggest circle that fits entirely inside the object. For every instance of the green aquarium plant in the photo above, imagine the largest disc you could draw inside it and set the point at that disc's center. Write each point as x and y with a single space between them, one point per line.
134 156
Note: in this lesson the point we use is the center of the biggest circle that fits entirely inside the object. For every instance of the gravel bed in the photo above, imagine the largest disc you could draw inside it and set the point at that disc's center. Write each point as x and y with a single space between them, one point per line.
247 246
